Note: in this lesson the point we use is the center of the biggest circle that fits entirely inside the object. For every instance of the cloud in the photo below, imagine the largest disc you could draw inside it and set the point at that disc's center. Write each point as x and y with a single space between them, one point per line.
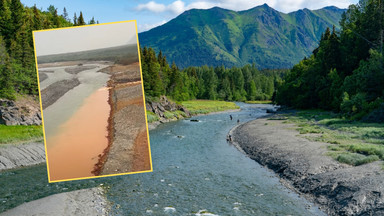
146 27
151 6
177 7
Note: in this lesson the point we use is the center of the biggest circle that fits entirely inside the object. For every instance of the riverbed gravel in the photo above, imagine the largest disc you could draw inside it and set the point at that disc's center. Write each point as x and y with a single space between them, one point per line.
302 165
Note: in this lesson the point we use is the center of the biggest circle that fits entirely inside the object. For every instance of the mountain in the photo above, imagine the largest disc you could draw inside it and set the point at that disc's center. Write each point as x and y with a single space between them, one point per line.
260 35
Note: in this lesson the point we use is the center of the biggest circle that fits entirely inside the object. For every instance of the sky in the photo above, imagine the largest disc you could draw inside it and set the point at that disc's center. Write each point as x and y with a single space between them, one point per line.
84 38
151 13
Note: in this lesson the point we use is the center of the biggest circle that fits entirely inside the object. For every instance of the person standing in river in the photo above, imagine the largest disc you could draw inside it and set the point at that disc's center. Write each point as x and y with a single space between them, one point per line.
230 116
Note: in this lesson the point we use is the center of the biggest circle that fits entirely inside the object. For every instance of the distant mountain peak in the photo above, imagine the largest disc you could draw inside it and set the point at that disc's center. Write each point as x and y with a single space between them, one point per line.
260 35
332 8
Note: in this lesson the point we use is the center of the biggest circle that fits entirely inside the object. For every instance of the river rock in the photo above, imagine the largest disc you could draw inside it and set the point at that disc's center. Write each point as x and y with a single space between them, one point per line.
163 105
11 114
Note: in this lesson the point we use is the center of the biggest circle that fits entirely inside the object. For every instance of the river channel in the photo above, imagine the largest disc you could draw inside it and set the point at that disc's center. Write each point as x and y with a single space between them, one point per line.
197 172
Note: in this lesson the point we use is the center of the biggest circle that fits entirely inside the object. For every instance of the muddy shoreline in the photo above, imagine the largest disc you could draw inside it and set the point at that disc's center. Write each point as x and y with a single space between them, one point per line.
302 165
127 149
103 156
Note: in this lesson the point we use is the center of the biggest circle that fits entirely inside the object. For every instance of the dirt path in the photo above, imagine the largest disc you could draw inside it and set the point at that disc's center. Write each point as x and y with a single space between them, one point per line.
17 155
302 165
80 202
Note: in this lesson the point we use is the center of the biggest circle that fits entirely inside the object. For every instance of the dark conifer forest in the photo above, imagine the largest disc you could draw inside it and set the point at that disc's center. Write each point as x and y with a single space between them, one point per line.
345 73
219 83
17 61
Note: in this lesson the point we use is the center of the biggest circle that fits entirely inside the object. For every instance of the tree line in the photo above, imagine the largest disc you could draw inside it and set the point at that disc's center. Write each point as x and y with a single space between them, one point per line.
17 61
345 73
219 83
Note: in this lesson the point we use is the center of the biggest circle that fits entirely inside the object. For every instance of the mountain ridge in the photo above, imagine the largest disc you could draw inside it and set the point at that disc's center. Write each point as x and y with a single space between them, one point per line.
260 35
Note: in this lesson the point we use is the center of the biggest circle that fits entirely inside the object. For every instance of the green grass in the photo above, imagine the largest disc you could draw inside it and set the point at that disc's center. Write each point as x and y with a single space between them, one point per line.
259 102
356 159
351 142
169 115
152 117
196 107
20 133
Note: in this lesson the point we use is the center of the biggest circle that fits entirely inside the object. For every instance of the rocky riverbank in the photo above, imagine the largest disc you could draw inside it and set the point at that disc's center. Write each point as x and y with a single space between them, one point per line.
339 189
79 202
128 149
25 111
165 110
19 155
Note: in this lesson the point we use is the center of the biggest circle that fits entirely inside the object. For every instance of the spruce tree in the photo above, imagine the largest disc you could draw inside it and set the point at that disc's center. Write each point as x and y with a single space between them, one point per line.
56 19
92 21
75 20
80 20
36 19
65 14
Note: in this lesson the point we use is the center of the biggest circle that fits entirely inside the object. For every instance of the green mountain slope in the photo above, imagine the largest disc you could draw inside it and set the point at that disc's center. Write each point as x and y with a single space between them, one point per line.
261 35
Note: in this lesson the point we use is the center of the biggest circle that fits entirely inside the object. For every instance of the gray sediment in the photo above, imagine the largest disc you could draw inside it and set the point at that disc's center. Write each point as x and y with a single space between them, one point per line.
302 165
80 202
55 91
19 155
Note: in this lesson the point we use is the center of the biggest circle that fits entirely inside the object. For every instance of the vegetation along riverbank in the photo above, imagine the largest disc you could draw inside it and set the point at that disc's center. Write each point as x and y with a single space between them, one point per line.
334 163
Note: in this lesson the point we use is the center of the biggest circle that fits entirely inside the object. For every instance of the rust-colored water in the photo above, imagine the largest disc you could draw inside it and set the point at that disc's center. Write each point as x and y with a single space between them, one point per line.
74 150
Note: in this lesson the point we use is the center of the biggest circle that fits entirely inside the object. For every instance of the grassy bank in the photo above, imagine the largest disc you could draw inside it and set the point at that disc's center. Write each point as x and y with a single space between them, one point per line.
20 133
196 107
350 142
259 102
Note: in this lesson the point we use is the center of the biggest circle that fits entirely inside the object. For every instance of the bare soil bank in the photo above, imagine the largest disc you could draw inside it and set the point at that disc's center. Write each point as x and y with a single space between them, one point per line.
80 202
18 155
128 150
302 165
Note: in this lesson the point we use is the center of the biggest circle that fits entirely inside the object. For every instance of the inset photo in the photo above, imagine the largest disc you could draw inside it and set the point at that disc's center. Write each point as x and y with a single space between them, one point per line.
92 101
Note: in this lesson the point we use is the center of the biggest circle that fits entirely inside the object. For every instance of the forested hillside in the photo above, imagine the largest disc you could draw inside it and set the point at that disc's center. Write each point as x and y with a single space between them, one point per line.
17 61
345 73
219 83
261 35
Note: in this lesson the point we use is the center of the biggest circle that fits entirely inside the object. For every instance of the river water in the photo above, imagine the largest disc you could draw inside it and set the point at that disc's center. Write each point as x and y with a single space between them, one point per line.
196 172
76 124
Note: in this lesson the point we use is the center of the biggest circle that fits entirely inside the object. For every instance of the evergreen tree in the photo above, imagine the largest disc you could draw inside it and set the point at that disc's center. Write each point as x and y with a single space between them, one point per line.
16 17
92 21
17 62
80 20
65 14
51 9
5 21
56 19
36 19
75 20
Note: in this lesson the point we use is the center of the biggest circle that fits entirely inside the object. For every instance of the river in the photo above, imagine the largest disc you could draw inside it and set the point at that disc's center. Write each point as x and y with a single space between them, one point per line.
197 172
76 124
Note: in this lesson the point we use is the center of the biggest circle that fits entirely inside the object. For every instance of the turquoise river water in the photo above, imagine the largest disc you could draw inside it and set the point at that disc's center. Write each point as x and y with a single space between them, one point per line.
195 172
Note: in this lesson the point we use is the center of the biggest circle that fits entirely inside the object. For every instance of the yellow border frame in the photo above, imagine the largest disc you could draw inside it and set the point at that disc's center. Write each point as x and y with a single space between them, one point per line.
142 88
